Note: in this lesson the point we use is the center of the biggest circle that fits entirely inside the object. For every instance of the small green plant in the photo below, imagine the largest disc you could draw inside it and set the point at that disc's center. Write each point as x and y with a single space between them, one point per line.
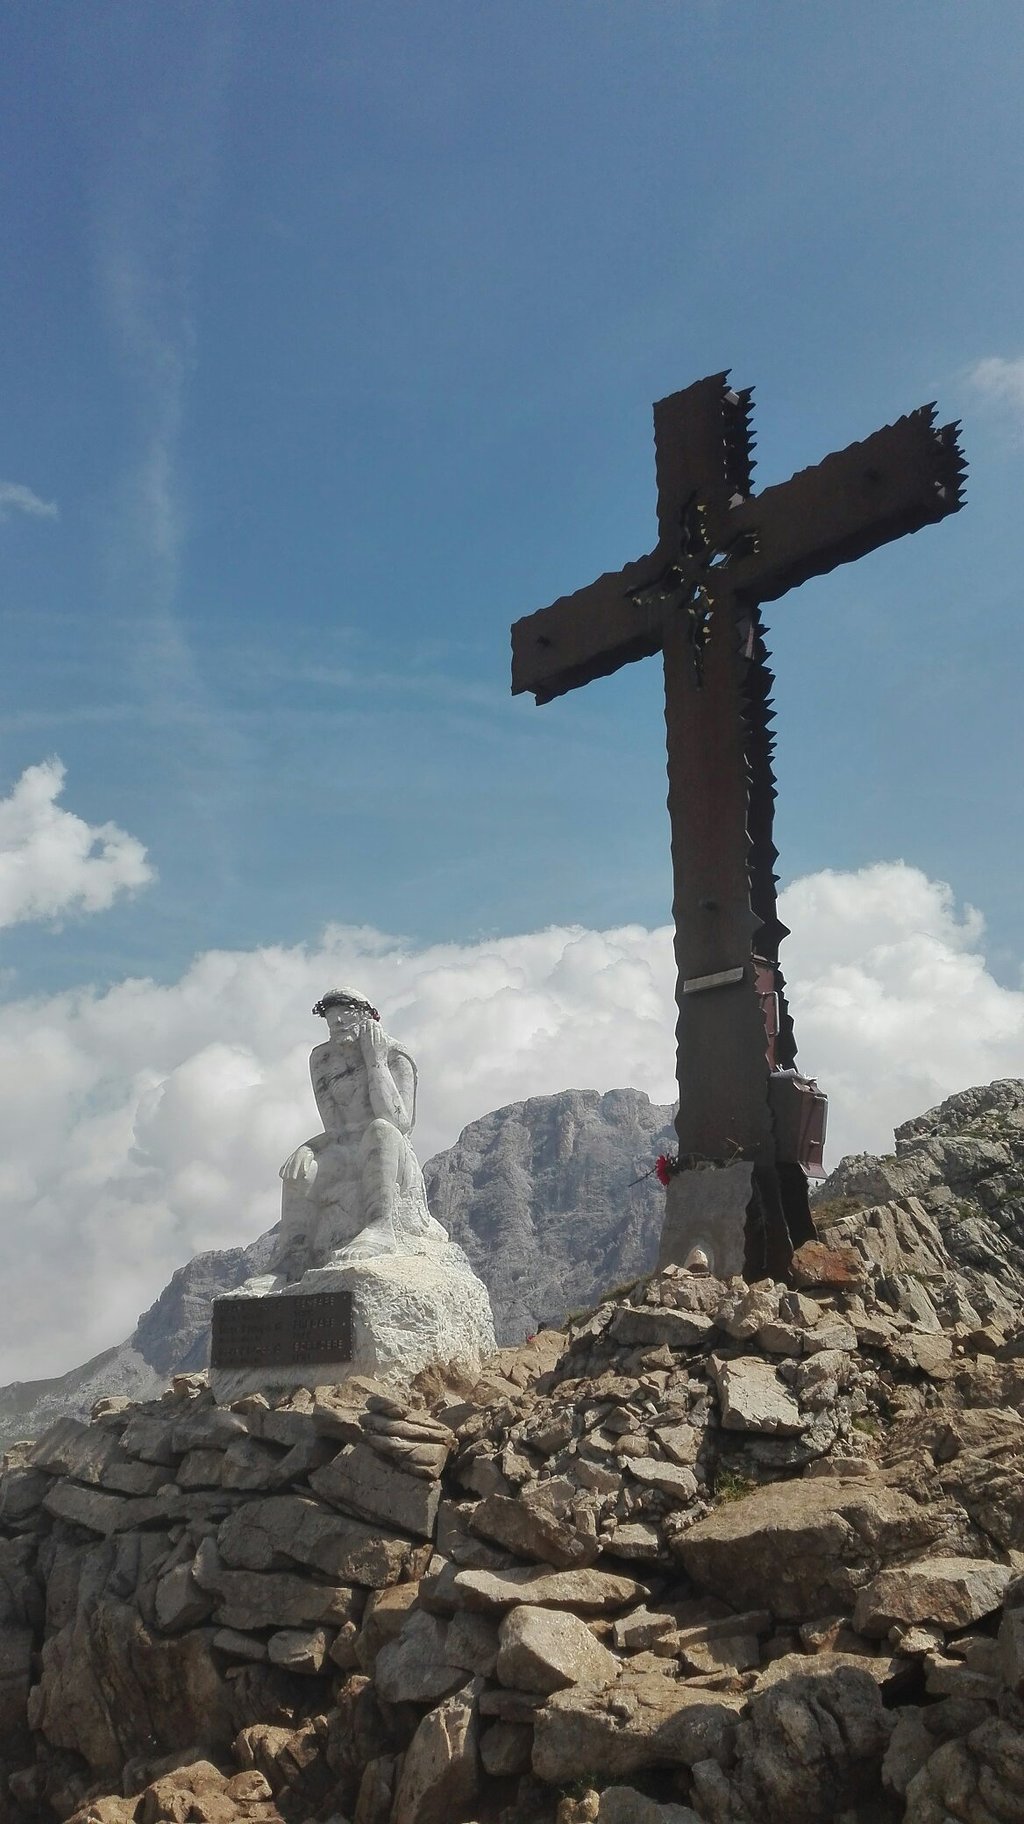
731 1486
579 1787
870 1427
827 1214
966 1210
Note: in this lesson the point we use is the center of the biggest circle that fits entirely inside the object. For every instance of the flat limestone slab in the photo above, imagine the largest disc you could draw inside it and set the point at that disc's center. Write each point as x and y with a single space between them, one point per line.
805 1547
642 1721
409 1311
951 1592
752 1397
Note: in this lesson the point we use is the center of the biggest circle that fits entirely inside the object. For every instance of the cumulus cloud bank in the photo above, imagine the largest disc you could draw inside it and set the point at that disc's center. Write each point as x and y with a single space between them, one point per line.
895 1008
52 862
147 1123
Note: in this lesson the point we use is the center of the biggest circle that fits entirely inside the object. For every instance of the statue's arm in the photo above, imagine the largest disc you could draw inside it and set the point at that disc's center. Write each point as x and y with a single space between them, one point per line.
391 1079
301 1166
403 1077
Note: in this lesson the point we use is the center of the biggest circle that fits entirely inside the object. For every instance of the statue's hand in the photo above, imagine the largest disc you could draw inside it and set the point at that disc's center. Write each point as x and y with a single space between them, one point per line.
374 1042
300 1166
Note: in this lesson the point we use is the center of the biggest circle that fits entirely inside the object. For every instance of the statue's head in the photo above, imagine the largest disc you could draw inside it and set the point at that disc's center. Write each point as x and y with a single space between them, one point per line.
346 1001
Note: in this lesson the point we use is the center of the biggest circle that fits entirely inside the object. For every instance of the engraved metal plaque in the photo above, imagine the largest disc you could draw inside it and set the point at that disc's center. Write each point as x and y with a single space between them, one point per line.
281 1330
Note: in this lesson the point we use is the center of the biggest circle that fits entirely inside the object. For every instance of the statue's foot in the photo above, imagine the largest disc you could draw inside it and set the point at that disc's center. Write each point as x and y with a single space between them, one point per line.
376 1239
258 1287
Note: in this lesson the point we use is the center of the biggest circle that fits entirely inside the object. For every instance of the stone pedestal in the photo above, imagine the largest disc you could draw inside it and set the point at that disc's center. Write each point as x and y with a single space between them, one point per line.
744 1218
708 1208
409 1311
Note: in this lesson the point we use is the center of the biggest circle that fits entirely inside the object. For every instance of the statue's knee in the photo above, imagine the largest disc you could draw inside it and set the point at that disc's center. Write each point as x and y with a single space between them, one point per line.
379 1134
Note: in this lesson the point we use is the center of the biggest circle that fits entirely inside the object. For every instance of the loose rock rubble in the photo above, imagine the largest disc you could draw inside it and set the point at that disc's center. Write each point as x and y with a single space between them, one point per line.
718 1554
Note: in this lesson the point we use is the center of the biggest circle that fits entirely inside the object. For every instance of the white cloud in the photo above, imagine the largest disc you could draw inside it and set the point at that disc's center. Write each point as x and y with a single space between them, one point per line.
52 862
894 1006
1001 382
16 498
146 1123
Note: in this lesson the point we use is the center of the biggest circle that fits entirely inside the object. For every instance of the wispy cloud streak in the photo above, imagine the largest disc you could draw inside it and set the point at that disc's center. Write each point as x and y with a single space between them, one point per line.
15 497
1001 384
152 216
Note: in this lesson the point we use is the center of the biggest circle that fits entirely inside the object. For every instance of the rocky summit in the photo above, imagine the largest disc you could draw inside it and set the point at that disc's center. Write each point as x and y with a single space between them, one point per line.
713 1554
553 1201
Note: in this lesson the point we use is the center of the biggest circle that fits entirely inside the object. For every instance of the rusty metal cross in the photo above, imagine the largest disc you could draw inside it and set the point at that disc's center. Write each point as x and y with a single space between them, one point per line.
746 1120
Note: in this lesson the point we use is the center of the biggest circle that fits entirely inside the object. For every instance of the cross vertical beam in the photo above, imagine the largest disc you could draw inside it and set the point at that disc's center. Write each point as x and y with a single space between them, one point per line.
720 1025
726 929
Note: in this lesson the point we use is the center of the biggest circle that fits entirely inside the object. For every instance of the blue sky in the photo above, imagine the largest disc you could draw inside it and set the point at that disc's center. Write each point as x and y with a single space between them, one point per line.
333 332
330 341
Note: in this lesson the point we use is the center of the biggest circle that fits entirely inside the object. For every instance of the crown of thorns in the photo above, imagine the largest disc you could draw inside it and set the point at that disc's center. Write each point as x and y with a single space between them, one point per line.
337 997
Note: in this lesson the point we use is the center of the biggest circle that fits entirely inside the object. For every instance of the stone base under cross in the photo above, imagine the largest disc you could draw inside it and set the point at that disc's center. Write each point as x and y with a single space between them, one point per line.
409 1312
736 1216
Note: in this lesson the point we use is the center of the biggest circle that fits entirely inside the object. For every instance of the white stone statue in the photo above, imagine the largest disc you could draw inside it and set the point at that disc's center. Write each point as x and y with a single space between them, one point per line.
356 1190
354 1219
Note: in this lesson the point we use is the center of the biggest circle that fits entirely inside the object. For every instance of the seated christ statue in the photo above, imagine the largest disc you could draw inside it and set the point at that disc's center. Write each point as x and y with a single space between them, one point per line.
356 1191
355 1235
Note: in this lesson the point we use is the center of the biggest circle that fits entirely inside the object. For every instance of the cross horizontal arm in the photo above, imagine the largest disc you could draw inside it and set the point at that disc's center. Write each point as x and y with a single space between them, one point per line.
908 475
588 634
702 448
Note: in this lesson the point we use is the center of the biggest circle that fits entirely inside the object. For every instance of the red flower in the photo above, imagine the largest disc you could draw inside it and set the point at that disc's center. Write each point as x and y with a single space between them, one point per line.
663 1169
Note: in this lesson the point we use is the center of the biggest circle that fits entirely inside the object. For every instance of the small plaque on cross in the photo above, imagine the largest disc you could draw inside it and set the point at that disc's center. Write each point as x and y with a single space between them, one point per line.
281 1330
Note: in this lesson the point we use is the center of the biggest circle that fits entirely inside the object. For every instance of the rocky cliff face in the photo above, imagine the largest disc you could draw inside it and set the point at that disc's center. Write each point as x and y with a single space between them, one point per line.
539 1195
542 1197
964 1163
717 1554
